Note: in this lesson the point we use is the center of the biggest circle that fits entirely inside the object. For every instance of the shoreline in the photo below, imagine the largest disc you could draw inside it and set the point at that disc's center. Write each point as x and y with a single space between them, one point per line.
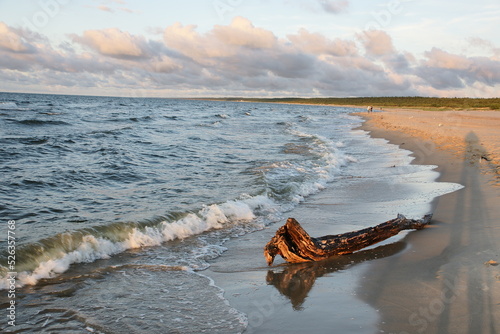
471 135
388 102
449 282
443 279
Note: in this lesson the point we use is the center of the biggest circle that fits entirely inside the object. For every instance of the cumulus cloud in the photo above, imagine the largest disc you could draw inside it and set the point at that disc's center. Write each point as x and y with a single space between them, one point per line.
164 64
316 43
376 42
237 59
443 70
112 42
13 40
189 42
222 41
246 56
379 47
442 59
241 32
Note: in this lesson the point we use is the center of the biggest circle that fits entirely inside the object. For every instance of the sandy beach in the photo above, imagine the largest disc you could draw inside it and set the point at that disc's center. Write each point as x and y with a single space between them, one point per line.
449 282
443 279
470 135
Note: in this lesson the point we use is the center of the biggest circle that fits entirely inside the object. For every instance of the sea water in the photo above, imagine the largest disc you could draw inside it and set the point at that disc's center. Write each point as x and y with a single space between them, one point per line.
119 204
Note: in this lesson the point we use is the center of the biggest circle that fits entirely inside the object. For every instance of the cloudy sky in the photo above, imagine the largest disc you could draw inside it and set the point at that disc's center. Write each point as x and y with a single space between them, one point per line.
269 48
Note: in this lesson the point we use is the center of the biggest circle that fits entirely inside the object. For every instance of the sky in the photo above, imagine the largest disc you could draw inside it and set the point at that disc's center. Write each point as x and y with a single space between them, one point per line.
251 48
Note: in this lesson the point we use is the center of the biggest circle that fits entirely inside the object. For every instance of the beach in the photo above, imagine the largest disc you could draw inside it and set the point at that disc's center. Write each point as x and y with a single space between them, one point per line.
449 282
155 216
469 135
443 279
125 231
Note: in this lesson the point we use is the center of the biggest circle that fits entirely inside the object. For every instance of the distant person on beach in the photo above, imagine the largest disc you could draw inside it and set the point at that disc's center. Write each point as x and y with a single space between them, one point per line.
369 109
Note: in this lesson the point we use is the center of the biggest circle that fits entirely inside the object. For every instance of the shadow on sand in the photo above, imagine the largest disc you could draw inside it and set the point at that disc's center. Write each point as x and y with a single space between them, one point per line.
444 285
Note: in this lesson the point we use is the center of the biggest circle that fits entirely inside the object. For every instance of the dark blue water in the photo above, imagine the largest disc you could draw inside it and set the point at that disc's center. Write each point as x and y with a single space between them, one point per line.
113 194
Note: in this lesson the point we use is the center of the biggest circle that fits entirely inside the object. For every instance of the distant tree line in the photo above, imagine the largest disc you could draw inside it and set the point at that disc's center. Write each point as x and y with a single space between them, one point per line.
409 101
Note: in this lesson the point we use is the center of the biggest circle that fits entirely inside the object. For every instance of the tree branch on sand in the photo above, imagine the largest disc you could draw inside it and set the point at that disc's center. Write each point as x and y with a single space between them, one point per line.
294 244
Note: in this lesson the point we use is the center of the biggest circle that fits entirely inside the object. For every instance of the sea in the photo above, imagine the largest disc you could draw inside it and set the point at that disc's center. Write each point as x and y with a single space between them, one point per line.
112 208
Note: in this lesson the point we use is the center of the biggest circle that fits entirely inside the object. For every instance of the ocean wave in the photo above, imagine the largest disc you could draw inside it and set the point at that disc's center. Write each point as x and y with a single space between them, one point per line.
28 140
39 122
52 256
280 169
8 106
173 118
291 181
139 119
104 132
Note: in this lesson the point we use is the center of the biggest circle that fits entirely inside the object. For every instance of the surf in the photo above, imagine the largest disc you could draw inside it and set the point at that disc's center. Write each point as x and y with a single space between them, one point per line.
52 256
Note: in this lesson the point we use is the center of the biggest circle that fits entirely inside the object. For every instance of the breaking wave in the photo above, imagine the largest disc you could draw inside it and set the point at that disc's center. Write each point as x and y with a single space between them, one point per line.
8 106
157 161
287 184
52 256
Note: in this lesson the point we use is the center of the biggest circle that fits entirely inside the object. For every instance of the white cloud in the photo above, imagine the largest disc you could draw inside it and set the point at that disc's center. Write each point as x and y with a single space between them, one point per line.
316 43
238 59
12 40
222 41
112 42
376 42
443 70
442 59
241 32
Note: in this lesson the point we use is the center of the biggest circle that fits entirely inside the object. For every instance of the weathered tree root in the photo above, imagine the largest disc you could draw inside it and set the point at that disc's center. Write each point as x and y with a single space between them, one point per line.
294 244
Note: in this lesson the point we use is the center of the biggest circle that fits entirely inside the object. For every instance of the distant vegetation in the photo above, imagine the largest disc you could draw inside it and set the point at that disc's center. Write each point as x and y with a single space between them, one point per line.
406 102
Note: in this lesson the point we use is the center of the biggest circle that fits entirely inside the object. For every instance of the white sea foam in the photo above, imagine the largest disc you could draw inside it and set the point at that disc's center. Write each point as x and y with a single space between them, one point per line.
307 177
92 248
8 106
297 179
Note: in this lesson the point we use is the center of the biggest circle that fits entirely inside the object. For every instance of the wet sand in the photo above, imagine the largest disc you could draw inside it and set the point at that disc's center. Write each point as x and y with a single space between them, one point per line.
449 282
443 279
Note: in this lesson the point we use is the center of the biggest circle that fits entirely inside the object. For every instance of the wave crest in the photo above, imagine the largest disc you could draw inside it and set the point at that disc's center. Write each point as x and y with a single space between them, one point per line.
53 256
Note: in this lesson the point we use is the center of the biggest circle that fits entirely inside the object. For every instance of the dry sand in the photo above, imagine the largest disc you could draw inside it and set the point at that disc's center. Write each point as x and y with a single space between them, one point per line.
471 134
450 280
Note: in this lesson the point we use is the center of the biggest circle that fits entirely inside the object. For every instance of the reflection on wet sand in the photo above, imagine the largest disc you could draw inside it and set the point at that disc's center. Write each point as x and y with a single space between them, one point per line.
296 280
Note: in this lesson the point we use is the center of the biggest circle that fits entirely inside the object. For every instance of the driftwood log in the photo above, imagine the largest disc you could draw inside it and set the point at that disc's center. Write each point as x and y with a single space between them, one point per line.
294 244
